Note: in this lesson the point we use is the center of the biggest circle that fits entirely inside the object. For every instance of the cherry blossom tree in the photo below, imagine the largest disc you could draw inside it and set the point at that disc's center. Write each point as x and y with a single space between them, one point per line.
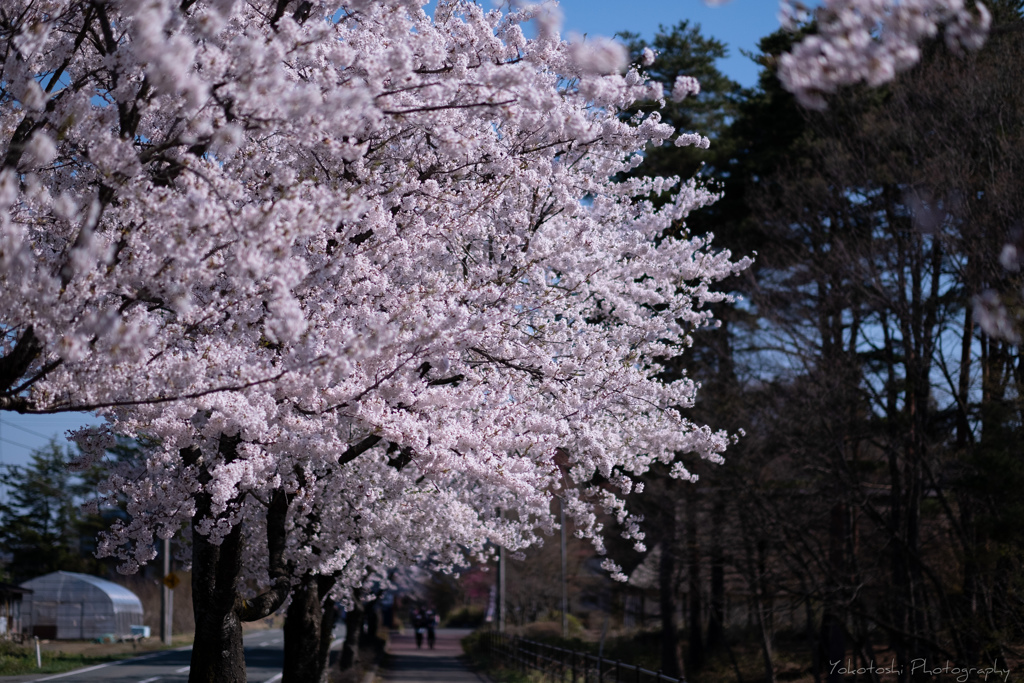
123 246
363 276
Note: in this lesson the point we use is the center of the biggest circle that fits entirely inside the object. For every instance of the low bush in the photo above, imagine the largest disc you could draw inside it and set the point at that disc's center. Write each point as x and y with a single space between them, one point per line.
467 617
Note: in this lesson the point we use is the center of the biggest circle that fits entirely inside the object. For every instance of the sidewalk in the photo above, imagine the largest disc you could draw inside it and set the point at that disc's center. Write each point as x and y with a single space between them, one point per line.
443 664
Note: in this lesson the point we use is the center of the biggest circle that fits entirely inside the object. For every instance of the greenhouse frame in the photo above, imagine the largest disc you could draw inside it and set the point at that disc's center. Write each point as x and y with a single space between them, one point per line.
71 606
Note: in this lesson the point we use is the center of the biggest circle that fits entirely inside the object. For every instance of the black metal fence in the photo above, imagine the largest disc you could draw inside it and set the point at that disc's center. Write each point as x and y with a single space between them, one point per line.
565 665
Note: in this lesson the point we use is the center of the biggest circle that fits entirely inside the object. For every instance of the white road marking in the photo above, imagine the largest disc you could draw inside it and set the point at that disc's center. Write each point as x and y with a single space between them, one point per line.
182 669
150 680
72 673
275 679
129 661
98 666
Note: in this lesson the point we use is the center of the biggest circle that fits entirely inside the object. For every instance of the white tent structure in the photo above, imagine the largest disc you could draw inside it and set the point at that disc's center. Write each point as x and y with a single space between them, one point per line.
70 606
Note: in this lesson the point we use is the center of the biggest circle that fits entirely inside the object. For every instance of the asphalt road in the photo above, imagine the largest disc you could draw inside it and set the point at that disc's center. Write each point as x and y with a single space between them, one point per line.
264 654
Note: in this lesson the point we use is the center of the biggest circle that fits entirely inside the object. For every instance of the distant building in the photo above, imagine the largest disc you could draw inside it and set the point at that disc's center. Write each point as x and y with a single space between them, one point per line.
70 606
10 609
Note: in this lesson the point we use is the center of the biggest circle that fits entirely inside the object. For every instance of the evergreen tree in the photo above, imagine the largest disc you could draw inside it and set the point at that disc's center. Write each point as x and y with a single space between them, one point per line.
42 528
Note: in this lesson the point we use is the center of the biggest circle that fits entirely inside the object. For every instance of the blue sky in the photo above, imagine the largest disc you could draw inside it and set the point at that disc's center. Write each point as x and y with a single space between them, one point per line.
21 434
739 24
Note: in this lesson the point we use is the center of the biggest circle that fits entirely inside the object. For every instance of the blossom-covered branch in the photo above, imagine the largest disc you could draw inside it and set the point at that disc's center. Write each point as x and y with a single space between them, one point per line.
871 40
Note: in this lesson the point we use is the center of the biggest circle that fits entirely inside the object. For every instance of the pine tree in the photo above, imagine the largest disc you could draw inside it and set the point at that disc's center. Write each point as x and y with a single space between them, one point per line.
40 522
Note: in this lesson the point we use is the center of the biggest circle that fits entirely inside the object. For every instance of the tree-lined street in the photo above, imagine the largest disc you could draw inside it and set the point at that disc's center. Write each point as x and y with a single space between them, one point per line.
377 285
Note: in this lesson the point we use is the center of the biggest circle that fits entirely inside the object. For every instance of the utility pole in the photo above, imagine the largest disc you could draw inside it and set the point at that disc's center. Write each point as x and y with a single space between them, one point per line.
565 588
167 597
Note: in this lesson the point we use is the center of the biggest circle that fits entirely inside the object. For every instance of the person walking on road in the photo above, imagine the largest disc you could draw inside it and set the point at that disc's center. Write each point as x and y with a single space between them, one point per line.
444 664
418 619
430 620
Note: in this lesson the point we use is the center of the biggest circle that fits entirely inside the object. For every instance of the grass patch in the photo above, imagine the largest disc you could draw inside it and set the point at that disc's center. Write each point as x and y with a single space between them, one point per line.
20 659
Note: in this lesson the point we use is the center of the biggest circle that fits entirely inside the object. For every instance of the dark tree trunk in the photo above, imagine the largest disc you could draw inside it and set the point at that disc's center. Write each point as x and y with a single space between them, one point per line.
716 613
302 634
695 640
766 641
18 360
812 633
972 593
372 618
217 654
671 661
353 627
13 368
308 630
833 632
327 622
762 606
371 637
833 640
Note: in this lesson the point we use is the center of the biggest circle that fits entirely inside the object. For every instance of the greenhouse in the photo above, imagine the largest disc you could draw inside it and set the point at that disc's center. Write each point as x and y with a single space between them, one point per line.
70 606
10 610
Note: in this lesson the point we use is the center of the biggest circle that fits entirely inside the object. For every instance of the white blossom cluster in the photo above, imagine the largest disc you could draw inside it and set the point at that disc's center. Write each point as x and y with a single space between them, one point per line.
870 40
1000 316
310 226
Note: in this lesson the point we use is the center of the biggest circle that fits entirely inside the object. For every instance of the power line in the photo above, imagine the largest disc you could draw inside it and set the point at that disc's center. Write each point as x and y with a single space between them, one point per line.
15 443
25 429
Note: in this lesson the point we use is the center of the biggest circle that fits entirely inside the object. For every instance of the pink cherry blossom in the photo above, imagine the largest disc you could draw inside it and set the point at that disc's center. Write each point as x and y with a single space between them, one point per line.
320 230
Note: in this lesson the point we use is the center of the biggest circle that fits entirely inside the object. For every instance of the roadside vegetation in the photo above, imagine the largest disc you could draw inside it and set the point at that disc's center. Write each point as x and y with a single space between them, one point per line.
739 662
17 659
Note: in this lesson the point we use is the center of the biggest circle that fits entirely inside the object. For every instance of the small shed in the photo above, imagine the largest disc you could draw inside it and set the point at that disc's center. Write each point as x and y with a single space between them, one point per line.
10 609
71 606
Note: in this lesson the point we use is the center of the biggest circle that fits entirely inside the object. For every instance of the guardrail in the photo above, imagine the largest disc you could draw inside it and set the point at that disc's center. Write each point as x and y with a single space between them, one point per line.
568 666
